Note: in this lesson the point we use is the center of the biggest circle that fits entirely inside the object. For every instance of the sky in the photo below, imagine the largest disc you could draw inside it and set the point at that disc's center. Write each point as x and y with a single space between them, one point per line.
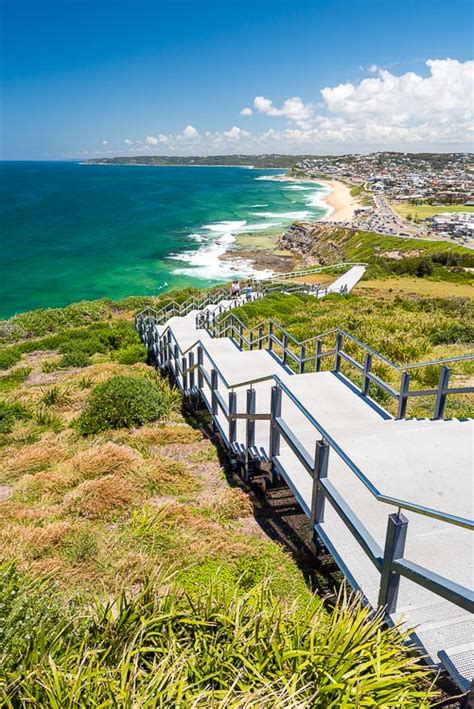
89 78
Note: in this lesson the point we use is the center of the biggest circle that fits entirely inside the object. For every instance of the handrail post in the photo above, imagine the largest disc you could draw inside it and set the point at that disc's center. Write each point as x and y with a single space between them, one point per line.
337 356
176 360
367 370
232 421
403 396
394 549
260 337
191 370
275 413
241 336
317 363
252 337
285 348
270 336
169 348
250 427
302 359
200 366
214 385
444 375
320 471
184 374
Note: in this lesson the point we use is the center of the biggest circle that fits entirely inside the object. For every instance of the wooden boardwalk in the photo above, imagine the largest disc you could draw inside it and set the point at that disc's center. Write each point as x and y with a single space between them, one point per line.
391 499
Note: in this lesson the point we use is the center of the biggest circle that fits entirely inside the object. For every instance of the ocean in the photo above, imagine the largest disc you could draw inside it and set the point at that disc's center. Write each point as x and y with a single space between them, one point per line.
71 231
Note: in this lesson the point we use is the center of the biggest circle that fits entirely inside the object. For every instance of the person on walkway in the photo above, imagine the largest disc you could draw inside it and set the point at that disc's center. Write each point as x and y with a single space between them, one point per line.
235 289
248 293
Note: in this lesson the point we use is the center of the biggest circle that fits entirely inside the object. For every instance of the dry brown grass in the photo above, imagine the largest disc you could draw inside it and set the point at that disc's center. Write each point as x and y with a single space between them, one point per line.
105 459
163 476
179 433
226 504
49 484
33 458
102 498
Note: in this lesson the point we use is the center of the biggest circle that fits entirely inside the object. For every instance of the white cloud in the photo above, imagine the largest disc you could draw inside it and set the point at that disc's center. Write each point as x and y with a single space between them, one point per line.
191 133
235 132
127 141
410 107
105 142
293 108
246 111
386 109
151 140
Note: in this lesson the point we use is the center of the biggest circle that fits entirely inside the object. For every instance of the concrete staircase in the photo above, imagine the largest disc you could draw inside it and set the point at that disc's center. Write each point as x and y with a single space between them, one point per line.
391 499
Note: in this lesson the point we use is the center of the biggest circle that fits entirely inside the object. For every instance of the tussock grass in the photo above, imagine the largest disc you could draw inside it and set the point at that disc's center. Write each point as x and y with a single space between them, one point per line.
32 458
104 459
101 498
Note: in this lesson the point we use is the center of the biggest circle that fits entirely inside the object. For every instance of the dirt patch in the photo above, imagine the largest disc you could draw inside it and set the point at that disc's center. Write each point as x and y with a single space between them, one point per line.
5 492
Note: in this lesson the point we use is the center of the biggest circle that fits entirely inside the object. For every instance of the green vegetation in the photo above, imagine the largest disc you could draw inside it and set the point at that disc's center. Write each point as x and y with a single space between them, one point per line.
215 648
361 194
125 402
403 330
9 414
423 211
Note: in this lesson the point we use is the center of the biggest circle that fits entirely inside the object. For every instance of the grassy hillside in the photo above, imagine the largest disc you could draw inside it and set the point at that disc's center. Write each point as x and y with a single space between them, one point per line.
132 569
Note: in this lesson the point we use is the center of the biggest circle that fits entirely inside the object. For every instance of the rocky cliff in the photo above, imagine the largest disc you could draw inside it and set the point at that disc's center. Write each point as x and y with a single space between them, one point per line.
314 242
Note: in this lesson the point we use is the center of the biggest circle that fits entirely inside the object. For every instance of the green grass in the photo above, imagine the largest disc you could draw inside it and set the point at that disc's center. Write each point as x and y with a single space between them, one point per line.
423 211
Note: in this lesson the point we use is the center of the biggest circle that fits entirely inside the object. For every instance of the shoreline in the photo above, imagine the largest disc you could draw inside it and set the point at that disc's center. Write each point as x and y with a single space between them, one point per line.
262 252
340 203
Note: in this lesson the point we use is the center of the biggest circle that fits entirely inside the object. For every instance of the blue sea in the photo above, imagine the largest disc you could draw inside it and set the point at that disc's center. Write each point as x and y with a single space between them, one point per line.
71 231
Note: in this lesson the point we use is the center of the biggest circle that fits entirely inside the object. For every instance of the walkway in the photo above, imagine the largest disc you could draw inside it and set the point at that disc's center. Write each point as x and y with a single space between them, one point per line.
390 499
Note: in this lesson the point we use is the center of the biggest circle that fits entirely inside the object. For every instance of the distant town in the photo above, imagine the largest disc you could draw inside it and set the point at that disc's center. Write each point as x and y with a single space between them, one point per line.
405 194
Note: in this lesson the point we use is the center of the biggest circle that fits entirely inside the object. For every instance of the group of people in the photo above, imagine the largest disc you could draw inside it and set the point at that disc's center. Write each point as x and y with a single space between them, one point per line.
236 291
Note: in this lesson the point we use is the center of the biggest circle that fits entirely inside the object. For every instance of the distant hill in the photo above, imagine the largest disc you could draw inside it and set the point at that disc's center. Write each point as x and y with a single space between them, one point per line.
264 161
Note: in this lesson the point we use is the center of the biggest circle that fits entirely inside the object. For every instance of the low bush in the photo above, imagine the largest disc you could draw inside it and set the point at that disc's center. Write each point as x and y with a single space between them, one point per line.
8 357
123 402
9 413
75 358
132 354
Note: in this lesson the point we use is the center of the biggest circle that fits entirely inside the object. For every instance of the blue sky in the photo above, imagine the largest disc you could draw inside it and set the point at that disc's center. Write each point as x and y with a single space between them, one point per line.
92 77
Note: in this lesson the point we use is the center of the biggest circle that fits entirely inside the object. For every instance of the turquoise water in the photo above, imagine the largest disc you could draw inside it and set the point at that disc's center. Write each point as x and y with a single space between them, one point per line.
71 231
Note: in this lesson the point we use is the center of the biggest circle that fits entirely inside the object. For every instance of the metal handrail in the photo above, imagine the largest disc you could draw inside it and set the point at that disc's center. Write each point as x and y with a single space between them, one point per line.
396 502
429 512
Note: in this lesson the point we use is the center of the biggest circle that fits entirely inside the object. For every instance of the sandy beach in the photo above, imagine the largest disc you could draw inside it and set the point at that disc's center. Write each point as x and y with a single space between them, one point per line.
340 201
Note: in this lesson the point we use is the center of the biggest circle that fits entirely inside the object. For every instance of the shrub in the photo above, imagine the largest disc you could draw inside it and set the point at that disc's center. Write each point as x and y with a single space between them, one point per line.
9 413
424 268
132 354
124 402
75 358
9 357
